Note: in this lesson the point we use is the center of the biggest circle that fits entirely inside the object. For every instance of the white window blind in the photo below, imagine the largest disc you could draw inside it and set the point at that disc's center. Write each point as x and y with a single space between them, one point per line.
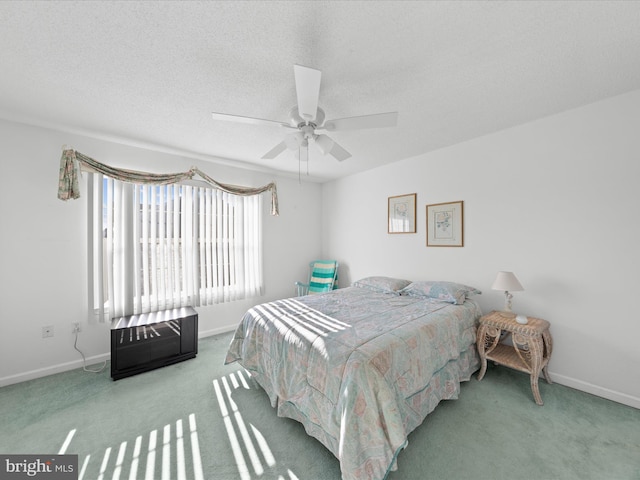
158 247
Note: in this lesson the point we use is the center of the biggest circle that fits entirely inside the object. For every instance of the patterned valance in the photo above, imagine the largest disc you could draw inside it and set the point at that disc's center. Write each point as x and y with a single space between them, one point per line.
71 161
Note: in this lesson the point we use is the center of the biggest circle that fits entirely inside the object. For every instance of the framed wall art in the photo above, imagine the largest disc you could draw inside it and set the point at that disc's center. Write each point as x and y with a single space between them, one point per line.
445 225
401 216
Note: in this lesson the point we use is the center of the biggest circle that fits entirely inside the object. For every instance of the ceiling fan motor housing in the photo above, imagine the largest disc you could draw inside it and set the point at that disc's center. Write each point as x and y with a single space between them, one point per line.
297 121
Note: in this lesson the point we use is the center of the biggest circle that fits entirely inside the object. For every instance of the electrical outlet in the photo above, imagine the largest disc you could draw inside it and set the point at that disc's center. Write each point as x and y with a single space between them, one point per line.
76 327
47 331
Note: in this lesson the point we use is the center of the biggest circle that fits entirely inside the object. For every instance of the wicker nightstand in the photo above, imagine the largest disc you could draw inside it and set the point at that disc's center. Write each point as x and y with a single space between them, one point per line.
531 350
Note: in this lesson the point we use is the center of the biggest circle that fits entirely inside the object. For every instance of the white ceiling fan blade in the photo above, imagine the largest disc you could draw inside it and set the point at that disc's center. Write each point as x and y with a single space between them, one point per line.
250 120
377 120
307 90
338 152
275 151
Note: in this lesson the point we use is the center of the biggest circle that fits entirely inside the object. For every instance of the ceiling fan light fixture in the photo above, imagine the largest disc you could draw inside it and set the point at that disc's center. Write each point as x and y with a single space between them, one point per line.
294 140
324 144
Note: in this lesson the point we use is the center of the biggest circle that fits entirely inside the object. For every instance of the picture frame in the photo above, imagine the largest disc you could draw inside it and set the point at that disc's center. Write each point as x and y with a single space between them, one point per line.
445 224
401 214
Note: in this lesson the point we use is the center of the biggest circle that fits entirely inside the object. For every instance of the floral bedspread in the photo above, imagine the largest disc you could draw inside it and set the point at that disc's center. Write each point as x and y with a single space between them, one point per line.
359 369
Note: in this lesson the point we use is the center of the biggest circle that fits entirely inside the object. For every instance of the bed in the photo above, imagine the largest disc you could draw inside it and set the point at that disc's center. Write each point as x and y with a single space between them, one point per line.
361 367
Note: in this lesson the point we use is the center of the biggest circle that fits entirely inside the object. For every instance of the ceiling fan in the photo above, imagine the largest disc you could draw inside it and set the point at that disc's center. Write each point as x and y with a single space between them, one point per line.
307 119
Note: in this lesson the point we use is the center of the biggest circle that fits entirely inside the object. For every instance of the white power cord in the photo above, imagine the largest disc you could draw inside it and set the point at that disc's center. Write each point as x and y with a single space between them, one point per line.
84 360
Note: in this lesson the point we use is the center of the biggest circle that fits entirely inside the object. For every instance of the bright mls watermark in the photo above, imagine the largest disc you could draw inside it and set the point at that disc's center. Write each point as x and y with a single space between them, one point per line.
49 467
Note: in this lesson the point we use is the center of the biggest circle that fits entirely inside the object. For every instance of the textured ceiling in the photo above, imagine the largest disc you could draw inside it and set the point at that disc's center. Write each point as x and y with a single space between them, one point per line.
152 72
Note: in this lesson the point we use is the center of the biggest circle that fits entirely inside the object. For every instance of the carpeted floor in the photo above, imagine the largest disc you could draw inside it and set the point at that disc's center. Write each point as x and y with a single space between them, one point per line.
201 419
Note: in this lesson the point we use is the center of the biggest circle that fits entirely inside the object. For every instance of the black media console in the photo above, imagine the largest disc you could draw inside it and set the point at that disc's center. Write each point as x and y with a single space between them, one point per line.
143 342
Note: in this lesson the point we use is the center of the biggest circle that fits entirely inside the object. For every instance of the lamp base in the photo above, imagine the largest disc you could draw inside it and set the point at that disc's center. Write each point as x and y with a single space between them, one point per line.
507 301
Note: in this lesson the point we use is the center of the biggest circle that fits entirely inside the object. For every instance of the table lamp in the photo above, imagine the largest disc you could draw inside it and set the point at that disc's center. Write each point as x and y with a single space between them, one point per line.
507 281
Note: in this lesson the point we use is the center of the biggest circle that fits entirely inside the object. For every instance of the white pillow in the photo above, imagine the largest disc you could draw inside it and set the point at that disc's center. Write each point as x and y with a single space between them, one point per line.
382 284
450 292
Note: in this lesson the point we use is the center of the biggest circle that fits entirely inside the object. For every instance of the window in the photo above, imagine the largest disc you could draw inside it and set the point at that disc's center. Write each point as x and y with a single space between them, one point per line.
158 247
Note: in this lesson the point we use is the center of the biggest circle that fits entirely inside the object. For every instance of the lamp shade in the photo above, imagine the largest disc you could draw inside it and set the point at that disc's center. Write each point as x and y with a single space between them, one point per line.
507 282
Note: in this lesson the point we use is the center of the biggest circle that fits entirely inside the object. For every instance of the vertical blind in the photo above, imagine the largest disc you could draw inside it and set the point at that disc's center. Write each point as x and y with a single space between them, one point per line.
155 247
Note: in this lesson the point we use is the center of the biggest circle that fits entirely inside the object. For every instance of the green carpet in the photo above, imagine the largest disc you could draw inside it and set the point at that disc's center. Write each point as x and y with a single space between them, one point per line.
201 419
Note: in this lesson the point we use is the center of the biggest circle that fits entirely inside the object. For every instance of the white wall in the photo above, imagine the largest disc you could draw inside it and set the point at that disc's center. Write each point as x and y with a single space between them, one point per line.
556 201
43 242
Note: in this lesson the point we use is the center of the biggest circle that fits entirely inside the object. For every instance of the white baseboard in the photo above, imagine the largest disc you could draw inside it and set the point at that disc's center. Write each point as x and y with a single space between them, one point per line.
612 395
64 367
217 331
52 370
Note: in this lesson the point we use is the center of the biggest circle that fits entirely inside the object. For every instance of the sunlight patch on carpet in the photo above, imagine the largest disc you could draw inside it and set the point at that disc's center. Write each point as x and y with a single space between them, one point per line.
156 458
67 441
250 449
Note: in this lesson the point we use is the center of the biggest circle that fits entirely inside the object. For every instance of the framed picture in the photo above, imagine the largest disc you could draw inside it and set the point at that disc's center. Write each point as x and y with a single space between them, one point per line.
445 225
402 214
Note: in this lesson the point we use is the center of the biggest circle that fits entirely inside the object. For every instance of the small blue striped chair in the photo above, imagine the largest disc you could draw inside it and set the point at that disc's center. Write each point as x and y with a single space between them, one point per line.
323 277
